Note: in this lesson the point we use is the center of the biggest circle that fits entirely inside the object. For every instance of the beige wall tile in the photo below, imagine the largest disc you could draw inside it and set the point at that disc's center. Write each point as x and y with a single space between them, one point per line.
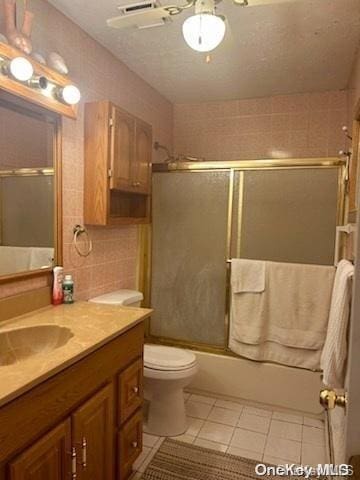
302 125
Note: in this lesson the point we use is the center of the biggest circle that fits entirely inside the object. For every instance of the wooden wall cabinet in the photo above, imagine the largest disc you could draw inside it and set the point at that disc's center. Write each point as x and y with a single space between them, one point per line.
118 154
84 423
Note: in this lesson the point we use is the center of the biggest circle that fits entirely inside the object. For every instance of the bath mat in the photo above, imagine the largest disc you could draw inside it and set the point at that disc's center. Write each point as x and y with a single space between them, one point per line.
177 460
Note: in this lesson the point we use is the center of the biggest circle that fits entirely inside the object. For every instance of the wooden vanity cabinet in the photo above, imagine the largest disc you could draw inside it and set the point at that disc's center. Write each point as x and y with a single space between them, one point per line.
130 391
83 423
130 444
92 435
48 458
82 446
118 155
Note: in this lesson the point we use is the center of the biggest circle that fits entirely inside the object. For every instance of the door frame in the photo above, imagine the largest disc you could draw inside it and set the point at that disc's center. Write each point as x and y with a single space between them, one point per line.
353 365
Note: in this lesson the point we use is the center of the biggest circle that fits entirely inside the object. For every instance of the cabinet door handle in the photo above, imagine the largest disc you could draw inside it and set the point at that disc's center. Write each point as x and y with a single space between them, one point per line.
135 389
84 453
134 444
73 463
136 184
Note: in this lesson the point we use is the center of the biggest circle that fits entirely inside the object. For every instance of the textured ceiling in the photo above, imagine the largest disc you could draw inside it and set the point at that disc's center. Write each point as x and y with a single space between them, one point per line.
304 46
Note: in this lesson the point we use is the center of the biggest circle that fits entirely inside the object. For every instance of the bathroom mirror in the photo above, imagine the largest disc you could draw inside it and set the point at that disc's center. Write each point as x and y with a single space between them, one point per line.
29 182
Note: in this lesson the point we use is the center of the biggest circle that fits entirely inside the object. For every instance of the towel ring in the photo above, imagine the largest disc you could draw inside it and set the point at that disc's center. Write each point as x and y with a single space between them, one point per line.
79 230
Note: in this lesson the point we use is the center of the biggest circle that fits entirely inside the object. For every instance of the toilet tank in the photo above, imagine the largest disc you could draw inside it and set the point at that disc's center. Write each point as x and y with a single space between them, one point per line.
129 298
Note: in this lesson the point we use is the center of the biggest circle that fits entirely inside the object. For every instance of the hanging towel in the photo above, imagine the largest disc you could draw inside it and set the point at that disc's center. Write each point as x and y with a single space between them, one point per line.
247 275
334 353
274 352
287 322
292 311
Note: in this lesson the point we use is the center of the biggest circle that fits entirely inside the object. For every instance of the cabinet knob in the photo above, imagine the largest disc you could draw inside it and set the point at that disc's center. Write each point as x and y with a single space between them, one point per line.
134 444
136 184
135 389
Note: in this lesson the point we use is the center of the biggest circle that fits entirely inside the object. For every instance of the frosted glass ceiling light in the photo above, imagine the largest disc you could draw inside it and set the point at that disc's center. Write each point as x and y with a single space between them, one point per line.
204 31
21 69
71 94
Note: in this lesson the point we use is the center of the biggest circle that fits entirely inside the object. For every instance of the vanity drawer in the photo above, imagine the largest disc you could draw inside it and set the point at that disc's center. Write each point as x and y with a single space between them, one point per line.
130 385
129 444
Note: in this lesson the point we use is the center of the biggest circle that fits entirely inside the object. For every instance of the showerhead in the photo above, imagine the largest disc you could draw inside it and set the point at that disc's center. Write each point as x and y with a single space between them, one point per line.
170 158
181 158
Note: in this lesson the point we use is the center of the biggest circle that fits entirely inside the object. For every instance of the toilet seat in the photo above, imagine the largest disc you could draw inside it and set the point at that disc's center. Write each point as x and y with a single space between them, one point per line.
168 359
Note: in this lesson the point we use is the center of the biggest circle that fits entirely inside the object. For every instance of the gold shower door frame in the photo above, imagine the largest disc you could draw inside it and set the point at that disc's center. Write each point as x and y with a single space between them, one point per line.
145 231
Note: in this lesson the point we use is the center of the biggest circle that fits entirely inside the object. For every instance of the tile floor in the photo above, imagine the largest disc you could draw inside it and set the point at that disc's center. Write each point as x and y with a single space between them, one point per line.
260 434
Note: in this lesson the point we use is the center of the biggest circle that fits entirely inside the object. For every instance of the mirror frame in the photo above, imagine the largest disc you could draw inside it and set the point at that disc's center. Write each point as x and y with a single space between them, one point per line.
28 108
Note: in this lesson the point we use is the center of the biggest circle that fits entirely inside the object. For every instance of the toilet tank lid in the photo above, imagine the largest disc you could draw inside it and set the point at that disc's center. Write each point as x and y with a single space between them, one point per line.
120 297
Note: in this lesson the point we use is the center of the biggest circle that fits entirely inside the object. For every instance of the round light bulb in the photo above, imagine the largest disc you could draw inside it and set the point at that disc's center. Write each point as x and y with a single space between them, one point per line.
204 31
21 69
71 94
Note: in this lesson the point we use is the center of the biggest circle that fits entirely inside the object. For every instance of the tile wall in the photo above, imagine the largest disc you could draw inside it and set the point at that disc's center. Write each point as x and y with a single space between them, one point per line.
285 126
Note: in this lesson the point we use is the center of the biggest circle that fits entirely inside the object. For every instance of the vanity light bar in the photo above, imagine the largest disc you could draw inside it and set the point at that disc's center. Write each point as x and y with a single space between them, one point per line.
69 94
22 70
38 82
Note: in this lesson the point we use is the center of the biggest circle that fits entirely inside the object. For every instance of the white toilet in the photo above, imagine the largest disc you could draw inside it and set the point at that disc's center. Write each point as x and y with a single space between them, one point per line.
167 371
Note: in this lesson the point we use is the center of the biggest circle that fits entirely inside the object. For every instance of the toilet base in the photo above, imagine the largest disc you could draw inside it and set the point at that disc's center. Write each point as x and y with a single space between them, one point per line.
166 414
164 390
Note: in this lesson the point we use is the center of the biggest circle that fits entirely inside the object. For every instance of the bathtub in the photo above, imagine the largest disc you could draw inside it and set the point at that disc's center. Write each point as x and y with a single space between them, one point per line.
254 382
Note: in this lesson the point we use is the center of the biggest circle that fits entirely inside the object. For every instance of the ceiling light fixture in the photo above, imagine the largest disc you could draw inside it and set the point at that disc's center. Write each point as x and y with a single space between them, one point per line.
205 30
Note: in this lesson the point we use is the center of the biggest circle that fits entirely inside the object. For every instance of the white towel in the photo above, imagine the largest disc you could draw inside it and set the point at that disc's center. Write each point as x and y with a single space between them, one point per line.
247 276
275 352
334 353
293 310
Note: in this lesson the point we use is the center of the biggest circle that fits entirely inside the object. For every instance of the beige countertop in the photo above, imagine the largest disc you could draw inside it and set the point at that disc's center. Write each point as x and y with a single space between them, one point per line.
90 325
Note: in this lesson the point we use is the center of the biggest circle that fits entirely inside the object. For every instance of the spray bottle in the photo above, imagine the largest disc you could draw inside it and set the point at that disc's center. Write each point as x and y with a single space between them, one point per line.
57 294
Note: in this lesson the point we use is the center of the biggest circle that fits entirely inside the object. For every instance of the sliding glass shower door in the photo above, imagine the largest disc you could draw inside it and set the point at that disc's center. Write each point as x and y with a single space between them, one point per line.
286 215
189 238
203 217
